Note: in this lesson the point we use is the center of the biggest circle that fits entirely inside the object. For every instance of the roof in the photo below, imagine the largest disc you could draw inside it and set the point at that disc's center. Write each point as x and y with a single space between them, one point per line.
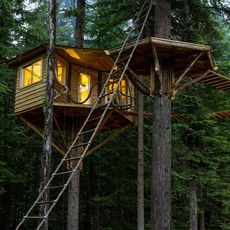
94 59
182 54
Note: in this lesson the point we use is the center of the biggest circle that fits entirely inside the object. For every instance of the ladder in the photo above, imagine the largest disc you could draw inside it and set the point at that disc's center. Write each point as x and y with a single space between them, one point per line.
97 114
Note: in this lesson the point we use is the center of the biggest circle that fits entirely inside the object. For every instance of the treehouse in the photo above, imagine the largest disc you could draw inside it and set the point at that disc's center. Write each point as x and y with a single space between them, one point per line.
80 76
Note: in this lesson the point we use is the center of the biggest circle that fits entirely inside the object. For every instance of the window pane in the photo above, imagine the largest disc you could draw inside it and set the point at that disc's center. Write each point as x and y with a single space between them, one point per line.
60 71
27 76
84 87
37 66
32 73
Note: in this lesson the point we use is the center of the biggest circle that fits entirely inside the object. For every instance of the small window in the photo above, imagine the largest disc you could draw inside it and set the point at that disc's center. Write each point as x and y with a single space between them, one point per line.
122 88
32 73
61 69
84 87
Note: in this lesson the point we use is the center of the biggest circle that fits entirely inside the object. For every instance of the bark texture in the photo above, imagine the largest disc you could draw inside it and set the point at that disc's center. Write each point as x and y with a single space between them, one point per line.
74 186
161 161
140 164
193 205
73 221
73 202
80 23
162 25
161 155
48 108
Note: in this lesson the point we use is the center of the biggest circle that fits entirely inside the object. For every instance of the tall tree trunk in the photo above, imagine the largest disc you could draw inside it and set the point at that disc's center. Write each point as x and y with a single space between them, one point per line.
201 216
48 110
161 154
73 222
80 23
193 205
73 217
140 164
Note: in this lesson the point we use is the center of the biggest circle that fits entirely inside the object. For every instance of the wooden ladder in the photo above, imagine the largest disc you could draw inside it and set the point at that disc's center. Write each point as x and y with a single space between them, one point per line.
96 115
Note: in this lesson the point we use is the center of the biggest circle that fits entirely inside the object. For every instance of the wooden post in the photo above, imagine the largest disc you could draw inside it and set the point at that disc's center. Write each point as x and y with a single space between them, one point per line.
140 162
48 109
193 205
161 154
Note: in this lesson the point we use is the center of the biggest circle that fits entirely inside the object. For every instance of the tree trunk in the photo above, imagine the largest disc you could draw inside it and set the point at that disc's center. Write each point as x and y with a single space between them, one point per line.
48 108
140 164
201 216
74 203
74 186
193 205
80 23
73 216
161 155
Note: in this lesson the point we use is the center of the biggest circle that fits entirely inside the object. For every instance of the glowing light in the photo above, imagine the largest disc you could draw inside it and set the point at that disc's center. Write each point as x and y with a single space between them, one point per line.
72 53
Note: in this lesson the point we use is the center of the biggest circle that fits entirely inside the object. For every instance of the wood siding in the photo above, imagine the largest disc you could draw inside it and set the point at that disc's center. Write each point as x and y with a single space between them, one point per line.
31 96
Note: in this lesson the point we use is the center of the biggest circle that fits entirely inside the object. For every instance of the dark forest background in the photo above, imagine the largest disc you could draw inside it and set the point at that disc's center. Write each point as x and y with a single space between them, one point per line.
201 144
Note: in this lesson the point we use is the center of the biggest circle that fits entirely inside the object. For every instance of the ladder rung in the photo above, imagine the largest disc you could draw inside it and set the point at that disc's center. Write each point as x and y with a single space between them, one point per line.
46 202
74 158
54 187
144 8
123 59
139 19
34 217
62 173
95 118
118 71
101 105
79 145
112 82
107 94
87 131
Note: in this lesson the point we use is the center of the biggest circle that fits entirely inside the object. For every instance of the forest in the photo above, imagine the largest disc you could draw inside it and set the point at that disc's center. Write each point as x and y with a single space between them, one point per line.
108 184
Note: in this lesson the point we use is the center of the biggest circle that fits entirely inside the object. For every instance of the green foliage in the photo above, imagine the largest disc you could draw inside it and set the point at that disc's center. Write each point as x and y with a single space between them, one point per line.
201 149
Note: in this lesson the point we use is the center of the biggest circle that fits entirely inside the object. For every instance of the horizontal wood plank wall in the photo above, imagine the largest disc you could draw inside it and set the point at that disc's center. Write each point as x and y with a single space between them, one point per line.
75 82
31 96
133 95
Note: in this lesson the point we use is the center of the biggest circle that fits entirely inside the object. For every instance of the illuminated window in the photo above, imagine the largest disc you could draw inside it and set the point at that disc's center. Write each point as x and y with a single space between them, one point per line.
122 88
61 71
84 87
32 73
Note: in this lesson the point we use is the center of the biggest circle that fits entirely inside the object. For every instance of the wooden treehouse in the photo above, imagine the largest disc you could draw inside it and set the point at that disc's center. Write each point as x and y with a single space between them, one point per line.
81 73
95 91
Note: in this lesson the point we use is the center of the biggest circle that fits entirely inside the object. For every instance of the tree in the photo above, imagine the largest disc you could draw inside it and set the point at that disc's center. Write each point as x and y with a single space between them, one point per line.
48 110
161 154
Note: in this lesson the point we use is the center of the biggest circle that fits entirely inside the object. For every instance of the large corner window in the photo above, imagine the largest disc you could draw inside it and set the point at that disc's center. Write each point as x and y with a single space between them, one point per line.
32 73
61 69
84 87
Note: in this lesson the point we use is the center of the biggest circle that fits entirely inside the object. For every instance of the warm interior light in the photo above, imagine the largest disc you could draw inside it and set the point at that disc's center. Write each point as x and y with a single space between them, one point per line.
84 87
60 71
32 73
122 87
72 53
37 71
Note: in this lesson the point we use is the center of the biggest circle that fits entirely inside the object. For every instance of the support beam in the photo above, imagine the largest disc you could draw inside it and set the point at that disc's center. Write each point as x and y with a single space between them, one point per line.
40 133
193 81
187 69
